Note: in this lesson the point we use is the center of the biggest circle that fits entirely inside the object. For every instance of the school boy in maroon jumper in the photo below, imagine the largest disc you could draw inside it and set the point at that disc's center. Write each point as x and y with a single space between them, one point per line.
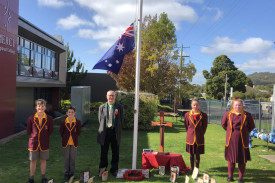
70 129
39 128
238 124
195 125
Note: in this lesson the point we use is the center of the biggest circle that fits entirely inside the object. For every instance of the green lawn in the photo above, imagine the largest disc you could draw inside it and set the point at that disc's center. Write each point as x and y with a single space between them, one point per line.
14 166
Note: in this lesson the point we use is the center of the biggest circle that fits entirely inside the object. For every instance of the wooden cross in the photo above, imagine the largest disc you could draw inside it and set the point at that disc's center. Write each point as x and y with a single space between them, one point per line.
162 124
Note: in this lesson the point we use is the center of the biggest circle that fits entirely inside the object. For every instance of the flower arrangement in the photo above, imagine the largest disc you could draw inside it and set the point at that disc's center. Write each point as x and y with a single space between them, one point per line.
133 175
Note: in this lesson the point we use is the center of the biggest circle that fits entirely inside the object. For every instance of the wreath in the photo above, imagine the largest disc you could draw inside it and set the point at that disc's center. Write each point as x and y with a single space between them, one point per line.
133 175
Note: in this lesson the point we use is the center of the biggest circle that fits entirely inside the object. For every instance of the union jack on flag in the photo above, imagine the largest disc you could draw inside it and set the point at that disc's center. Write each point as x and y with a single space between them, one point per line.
113 58
130 31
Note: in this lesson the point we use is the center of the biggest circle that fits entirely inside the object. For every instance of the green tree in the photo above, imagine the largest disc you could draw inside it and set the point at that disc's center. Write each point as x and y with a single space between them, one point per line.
75 71
194 91
239 94
160 69
215 80
258 92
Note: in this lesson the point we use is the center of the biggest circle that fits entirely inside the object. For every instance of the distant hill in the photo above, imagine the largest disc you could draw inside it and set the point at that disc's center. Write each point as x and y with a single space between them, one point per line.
262 78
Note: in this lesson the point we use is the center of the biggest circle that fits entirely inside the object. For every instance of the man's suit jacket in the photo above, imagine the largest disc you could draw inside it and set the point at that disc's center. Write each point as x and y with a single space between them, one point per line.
103 118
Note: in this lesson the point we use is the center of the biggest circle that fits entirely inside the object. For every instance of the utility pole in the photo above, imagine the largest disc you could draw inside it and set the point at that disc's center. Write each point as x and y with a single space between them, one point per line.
181 56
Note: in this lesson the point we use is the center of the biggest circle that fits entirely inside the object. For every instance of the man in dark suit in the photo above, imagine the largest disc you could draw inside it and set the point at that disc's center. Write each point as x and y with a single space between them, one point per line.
110 117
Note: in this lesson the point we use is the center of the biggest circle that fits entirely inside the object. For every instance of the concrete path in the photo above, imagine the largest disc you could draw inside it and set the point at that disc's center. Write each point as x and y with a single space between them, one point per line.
271 158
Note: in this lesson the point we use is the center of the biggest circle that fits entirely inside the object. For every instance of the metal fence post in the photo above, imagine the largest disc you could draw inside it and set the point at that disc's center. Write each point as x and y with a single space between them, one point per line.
208 110
260 109
273 108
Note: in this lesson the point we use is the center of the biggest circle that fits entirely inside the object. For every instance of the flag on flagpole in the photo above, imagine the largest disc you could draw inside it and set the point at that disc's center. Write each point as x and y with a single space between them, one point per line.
113 58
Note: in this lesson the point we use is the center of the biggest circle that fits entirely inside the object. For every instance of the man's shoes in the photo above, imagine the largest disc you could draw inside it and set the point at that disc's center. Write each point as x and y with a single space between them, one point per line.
30 181
240 180
114 172
100 172
44 180
67 177
230 179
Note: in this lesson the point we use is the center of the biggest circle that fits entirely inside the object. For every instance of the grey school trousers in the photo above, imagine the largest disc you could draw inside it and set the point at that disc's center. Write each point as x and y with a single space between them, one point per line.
69 154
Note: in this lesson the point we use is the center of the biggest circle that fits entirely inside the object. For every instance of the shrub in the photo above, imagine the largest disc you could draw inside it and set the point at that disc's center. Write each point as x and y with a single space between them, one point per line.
64 104
95 105
147 109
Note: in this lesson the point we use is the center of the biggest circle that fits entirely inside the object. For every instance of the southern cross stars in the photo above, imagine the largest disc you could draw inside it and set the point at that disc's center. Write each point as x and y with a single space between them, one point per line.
110 65
120 47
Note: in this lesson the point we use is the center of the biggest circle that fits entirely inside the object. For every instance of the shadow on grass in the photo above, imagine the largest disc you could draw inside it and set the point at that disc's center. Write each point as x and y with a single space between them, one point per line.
251 175
270 146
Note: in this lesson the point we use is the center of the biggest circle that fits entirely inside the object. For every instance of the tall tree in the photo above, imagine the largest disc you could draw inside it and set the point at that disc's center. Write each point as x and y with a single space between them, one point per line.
160 71
75 71
215 80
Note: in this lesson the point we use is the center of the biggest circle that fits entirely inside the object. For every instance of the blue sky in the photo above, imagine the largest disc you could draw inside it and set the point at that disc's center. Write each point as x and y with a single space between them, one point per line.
243 30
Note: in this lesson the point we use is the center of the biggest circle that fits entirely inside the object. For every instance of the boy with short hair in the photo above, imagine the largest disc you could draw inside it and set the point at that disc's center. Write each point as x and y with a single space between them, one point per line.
70 129
39 128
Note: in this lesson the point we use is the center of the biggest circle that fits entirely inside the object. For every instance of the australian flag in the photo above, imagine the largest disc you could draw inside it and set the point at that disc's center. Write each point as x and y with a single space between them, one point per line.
113 58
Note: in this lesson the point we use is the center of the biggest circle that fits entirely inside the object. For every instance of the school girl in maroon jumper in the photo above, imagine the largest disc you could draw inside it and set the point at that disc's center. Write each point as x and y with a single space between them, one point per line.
195 125
238 124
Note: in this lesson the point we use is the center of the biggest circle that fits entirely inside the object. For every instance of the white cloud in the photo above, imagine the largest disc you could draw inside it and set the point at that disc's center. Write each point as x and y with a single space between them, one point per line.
191 1
93 51
54 3
225 45
72 21
211 14
198 78
113 17
262 64
105 39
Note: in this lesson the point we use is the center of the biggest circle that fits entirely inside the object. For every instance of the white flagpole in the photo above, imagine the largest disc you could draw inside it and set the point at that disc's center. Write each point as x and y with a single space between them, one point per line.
134 160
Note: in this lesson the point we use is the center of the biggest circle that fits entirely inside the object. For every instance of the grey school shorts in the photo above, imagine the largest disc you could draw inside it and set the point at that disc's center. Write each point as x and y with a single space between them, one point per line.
35 155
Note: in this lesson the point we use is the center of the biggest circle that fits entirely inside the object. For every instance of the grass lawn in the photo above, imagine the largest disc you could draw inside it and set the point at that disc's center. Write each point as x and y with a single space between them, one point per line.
14 166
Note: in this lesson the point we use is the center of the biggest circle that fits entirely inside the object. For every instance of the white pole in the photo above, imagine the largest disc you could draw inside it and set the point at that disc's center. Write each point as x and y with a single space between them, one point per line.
225 87
231 93
134 160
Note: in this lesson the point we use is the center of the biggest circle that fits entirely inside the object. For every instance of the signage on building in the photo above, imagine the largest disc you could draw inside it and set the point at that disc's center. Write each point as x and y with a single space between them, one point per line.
8 26
8 61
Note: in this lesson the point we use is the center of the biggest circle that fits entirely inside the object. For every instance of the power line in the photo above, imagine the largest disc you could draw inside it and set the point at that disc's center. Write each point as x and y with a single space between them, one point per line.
215 25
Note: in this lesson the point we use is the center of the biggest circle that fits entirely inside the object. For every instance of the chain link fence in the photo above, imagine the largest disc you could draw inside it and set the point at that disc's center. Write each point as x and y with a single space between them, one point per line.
261 112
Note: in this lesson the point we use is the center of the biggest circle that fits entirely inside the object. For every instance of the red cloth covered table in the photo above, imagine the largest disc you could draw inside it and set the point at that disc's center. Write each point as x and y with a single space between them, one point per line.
150 161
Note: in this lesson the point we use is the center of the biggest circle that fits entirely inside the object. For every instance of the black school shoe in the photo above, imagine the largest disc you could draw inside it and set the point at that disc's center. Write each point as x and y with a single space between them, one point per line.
30 181
230 179
240 181
44 180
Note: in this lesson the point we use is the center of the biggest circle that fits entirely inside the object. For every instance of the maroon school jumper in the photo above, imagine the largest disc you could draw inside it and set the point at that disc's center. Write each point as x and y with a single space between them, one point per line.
237 129
195 128
39 136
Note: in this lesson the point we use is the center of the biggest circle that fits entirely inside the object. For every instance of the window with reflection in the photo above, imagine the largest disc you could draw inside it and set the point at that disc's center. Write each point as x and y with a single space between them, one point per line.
37 62
34 59
25 56
53 64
